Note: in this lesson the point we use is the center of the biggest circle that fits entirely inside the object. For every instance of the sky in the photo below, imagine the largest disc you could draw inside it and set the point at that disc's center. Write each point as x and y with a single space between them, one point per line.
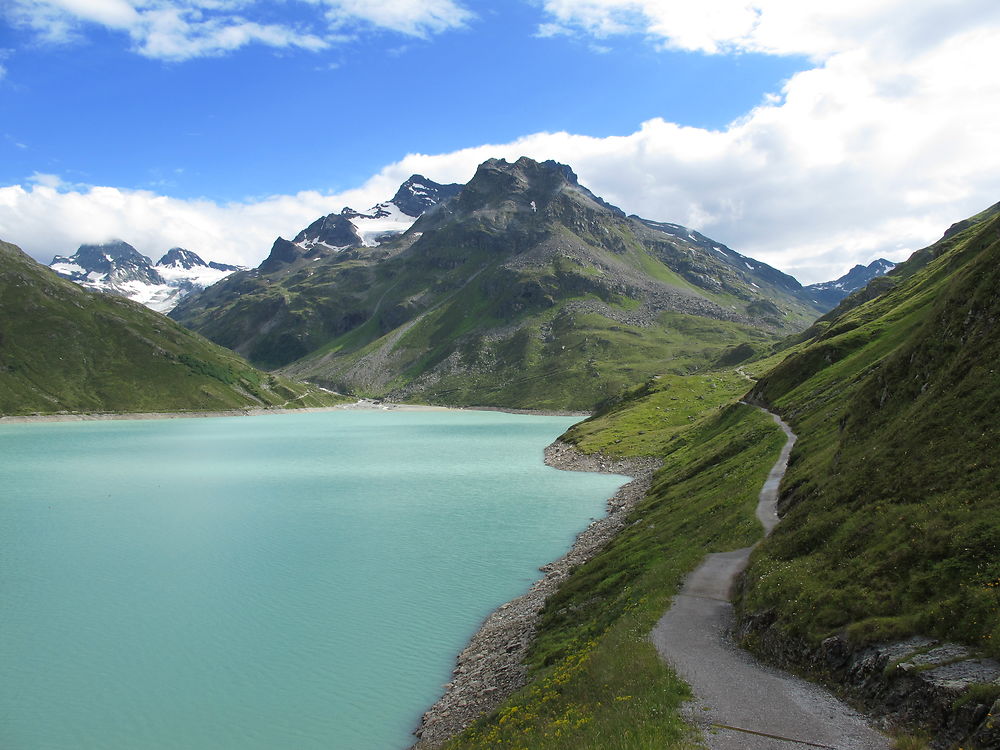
810 135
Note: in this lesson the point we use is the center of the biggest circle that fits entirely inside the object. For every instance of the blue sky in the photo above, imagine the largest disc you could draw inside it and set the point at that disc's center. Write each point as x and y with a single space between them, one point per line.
264 120
809 135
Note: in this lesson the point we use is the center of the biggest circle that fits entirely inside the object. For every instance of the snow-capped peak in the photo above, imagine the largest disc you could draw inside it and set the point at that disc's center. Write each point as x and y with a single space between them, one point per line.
350 228
118 268
178 257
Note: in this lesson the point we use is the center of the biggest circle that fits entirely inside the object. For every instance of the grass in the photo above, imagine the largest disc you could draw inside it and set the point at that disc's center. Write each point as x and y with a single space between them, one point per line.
644 421
63 349
893 523
596 680
901 741
487 300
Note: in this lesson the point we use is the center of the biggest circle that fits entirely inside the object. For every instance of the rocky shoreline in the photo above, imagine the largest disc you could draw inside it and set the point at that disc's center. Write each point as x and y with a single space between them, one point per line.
362 404
491 667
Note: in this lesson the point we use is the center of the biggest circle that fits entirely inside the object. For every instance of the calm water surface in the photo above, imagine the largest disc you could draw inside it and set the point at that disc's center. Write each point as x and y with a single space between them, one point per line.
292 581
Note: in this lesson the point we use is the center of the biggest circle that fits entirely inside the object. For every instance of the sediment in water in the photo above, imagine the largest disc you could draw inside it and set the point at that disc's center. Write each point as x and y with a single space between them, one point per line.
491 667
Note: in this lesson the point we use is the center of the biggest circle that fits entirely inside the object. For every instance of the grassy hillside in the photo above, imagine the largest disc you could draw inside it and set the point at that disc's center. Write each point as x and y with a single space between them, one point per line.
891 512
597 682
63 349
892 509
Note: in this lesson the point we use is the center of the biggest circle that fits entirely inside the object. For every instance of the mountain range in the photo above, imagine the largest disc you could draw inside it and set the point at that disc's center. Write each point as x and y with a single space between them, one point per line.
118 268
882 578
828 293
524 289
67 349
520 288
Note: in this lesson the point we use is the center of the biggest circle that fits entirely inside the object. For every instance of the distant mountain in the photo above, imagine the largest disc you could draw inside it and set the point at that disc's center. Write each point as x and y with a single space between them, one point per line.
348 229
828 293
522 288
118 268
66 349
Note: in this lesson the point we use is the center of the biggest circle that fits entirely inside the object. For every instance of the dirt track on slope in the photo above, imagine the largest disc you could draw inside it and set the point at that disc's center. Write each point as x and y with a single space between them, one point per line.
740 703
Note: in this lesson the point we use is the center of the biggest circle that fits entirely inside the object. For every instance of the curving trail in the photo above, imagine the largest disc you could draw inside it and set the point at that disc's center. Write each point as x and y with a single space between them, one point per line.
740 703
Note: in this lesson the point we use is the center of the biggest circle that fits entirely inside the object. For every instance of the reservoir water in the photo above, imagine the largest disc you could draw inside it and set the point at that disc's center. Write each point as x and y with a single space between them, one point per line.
286 581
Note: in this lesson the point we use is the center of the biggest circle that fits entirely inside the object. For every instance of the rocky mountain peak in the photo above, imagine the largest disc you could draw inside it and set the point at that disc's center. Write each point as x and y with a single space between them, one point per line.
418 194
104 257
528 185
333 230
178 257
830 293
116 258
118 268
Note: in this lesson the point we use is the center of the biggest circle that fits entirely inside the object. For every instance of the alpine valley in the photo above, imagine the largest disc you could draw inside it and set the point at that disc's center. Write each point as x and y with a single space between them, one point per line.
520 289
524 290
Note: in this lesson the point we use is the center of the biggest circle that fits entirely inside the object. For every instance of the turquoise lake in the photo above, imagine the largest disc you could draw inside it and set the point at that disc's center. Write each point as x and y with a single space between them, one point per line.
283 581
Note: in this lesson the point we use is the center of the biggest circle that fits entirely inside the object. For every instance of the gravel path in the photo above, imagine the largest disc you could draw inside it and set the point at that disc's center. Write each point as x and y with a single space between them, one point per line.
740 703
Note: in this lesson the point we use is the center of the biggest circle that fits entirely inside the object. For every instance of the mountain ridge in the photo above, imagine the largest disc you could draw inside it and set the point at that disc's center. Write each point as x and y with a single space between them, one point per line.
116 267
520 258
65 349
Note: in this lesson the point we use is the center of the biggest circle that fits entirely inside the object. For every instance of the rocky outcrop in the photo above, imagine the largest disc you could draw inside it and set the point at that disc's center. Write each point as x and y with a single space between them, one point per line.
491 667
919 683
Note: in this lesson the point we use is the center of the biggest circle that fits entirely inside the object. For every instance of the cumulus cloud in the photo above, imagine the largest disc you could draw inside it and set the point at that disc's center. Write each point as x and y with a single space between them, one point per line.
184 29
47 219
873 152
817 29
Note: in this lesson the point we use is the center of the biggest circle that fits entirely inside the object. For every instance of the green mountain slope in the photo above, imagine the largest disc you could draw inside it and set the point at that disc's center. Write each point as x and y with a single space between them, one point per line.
595 679
891 502
64 349
525 290
891 514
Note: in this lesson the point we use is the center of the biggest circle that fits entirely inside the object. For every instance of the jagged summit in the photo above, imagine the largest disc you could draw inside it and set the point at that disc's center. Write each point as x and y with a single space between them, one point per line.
829 293
116 265
118 268
178 257
337 232
522 183
418 194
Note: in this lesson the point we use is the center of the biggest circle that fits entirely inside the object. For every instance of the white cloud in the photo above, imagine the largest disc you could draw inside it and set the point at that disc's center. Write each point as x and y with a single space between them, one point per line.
184 29
46 219
418 18
815 28
873 152
46 180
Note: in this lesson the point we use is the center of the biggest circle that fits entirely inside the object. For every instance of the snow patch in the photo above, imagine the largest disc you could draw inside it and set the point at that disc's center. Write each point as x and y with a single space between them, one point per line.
68 269
384 219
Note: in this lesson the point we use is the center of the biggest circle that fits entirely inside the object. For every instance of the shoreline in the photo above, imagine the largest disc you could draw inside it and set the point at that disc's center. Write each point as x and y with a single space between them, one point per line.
491 667
361 404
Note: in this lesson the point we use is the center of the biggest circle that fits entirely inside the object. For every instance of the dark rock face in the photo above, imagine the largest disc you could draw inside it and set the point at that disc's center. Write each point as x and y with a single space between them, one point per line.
524 183
335 230
118 262
418 194
282 253
181 258
919 683
829 293
224 266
